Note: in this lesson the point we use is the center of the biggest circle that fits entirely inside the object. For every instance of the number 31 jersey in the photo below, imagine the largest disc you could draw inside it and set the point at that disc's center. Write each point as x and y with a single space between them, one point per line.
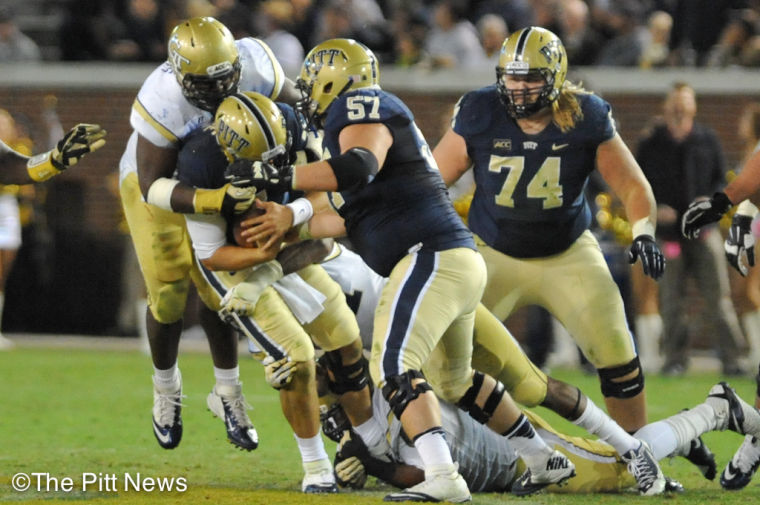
529 199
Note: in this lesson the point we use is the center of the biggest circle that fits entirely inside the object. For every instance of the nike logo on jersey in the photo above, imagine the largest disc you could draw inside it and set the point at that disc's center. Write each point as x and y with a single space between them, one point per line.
557 147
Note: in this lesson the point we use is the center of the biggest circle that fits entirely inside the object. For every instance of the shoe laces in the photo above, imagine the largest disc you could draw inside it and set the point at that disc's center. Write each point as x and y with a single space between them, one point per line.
238 407
747 458
642 469
167 407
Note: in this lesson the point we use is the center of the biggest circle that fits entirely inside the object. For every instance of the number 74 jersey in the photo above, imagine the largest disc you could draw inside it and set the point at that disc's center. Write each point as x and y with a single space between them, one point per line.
529 199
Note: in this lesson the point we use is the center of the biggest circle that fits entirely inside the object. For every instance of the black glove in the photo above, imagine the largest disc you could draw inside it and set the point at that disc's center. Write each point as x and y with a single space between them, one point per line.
740 242
263 176
652 260
704 212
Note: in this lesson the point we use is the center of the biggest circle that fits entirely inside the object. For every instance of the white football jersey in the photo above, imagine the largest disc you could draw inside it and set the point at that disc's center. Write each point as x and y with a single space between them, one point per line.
163 116
487 461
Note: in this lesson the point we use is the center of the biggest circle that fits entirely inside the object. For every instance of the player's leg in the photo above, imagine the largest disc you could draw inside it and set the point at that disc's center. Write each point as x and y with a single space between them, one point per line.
165 258
226 399
10 241
496 352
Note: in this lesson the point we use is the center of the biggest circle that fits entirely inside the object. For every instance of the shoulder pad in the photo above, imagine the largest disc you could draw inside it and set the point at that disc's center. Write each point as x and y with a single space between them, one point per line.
473 112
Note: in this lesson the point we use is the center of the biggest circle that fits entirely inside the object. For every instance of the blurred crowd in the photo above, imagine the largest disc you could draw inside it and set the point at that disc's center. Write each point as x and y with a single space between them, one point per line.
426 33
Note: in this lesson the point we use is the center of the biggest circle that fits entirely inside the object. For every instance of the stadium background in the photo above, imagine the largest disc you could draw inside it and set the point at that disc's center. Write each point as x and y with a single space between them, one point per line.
73 269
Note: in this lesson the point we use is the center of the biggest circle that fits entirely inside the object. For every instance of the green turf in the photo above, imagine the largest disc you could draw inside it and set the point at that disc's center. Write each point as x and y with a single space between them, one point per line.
70 412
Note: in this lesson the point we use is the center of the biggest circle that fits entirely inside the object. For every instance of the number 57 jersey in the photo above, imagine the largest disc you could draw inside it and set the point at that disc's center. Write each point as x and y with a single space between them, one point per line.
529 199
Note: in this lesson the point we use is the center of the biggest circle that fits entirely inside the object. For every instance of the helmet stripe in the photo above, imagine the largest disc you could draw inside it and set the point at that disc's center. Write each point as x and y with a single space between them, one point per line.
263 123
521 43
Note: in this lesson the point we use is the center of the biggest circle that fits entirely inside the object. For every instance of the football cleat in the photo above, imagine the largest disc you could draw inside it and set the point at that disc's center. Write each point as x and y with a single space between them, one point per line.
228 403
442 483
733 413
319 477
644 468
703 458
556 471
673 486
167 414
739 471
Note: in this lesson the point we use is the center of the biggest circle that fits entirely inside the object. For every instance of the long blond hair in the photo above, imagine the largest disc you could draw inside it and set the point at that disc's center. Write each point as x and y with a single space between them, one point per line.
566 111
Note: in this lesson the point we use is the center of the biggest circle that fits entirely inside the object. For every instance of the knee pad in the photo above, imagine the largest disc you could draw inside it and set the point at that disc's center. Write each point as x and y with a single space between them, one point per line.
347 378
398 390
467 402
168 304
622 389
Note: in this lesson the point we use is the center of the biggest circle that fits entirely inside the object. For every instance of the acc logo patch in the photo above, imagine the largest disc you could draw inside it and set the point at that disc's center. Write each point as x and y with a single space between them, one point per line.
505 144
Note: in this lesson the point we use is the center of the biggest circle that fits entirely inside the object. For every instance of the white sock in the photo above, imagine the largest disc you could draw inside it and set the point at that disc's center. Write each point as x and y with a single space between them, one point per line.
687 426
370 432
433 449
662 439
595 421
227 376
529 446
648 335
751 324
312 449
166 379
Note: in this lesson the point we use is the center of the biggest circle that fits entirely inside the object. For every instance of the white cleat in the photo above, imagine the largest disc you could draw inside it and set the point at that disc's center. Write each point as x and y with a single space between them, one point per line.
442 483
167 414
739 471
228 403
644 468
556 470
319 477
731 412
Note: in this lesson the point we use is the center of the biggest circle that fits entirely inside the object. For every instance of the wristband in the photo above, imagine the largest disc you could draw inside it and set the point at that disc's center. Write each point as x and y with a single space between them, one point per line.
41 168
746 208
160 193
302 210
642 227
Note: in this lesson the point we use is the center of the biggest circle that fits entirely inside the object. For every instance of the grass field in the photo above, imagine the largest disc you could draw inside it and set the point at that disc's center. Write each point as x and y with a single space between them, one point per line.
85 415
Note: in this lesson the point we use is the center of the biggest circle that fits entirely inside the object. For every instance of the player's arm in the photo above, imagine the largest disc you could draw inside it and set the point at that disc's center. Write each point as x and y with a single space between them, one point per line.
16 168
451 156
353 461
289 94
233 257
622 173
155 167
747 184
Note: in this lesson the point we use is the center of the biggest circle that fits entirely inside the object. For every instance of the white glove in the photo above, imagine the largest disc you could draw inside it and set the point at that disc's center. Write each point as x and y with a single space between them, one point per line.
278 374
350 472
242 299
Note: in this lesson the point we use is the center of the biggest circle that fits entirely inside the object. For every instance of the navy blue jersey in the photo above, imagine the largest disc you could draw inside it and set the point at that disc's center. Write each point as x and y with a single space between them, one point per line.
406 204
529 199
201 163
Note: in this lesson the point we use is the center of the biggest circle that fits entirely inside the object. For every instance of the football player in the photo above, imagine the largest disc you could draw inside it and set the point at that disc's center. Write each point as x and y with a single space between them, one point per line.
382 189
489 463
740 253
205 64
280 315
16 168
533 139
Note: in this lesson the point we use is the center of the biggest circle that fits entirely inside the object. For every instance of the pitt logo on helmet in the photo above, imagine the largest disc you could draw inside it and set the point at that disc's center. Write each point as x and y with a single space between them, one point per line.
229 137
327 56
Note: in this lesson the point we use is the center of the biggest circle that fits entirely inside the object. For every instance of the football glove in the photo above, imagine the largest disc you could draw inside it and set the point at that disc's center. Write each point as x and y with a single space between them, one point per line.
350 472
740 244
228 200
704 212
278 374
261 175
652 259
80 140
241 300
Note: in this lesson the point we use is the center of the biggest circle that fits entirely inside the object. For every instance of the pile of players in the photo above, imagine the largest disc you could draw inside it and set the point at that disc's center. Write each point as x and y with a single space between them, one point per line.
337 156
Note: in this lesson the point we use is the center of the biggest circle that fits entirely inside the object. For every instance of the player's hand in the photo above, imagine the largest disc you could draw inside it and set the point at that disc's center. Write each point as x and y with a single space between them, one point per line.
274 223
652 259
256 173
82 139
740 244
278 374
241 300
350 472
703 212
